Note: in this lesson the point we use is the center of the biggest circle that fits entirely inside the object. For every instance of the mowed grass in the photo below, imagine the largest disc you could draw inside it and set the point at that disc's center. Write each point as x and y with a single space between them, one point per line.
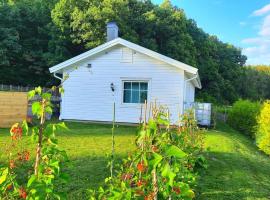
88 147
237 170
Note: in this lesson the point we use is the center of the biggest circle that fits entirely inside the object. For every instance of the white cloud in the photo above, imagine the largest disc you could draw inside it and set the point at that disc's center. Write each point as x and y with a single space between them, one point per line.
257 49
265 30
264 10
256 41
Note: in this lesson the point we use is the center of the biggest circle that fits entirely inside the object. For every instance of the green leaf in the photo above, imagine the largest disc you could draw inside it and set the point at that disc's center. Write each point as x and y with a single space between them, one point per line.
163 121
152 124
61 126
174 151
157 159
36 108
48 110
46 96
25 127
38 90
61 89
167 172
31 94
3 177
31 180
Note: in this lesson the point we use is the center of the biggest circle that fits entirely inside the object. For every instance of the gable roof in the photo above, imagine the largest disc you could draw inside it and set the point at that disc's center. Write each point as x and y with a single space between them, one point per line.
135 47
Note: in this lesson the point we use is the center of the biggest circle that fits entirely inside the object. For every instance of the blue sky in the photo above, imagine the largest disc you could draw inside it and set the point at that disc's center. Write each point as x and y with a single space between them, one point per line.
244 23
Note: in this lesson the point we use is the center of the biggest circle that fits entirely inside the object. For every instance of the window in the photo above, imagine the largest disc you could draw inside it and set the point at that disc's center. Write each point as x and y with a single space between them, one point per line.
135 91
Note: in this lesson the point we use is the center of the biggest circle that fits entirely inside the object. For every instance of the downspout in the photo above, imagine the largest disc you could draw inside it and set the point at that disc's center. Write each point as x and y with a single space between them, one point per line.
58 77
185 88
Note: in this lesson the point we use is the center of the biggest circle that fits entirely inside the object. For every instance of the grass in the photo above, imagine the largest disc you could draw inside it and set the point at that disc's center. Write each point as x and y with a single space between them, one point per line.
88 146
237 170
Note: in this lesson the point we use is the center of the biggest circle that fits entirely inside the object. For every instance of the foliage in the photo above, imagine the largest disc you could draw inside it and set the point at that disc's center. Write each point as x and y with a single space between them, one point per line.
24 39
163 165
66 28
237 170
18 157
242 116
263 128
39 182
234 163
255 83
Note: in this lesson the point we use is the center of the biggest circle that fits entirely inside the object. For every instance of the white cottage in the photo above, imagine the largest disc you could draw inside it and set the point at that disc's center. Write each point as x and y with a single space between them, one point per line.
125 73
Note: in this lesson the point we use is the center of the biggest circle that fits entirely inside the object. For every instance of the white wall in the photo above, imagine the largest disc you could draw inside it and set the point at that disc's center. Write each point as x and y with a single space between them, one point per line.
189 94
88 95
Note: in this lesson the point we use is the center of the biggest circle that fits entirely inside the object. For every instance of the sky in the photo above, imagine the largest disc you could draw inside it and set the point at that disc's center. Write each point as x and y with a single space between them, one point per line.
243 23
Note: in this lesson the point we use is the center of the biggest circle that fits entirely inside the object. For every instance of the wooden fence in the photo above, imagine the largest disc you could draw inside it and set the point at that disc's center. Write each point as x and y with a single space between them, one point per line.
13 108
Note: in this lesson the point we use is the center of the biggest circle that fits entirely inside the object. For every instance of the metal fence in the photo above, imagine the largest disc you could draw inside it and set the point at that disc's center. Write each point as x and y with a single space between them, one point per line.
15 88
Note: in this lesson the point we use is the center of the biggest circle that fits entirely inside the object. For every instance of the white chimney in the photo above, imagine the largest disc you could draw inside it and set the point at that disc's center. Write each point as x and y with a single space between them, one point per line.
112 31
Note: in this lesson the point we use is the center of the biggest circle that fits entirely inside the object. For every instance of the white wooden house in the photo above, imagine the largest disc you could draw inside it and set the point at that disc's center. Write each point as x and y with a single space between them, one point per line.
125 73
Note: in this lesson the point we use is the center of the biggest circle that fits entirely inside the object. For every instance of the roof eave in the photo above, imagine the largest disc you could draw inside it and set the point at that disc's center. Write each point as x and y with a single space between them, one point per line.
131 45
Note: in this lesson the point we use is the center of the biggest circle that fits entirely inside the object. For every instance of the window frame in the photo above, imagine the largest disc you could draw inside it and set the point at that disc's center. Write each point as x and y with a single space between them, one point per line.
136 81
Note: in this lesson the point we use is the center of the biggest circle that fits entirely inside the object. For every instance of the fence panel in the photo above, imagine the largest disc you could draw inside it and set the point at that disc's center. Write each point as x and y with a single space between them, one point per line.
13 108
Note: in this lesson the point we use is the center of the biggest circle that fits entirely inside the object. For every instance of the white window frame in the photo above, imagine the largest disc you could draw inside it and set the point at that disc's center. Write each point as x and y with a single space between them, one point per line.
143 80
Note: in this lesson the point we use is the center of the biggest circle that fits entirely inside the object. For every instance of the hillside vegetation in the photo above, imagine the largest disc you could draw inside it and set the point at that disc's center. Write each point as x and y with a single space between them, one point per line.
36 34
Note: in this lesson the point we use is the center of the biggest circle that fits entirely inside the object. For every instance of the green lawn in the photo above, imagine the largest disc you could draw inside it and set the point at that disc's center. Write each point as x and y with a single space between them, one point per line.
237 170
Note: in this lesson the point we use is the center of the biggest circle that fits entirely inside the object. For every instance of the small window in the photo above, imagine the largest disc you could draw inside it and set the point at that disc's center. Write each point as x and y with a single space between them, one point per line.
135 91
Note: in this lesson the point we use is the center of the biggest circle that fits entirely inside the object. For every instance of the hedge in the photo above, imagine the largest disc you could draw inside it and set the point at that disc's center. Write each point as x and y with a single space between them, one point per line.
243 116
263 128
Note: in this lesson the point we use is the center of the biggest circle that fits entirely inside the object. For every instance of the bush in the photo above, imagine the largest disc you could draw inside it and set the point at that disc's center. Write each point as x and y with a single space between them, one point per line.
164 165
242 116
263 128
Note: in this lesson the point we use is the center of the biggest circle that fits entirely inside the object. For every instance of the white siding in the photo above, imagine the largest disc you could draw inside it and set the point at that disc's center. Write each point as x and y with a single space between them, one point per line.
189 94
88 95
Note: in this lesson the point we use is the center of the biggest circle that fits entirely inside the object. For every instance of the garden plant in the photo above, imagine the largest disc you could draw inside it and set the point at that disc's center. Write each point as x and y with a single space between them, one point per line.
164 164
263 128
34 176
242 116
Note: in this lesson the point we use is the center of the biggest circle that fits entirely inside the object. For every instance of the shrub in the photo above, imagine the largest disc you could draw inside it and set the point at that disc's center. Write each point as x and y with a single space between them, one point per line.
164 165
263 128
242 116
22 178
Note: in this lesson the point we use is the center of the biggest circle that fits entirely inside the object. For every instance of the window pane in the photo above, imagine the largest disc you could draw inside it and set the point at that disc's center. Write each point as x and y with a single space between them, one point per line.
127 96
144 86
127 85
135 86
143 96
135 96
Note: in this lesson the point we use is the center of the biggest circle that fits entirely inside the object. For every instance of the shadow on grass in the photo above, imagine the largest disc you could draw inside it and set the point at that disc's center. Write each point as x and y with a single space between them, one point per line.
233 176
86 173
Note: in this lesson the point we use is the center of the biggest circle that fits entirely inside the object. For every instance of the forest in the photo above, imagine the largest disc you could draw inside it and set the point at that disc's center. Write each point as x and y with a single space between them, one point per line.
37 34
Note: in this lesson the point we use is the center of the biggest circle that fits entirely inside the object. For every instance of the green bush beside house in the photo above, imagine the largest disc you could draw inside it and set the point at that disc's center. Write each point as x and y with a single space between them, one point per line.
243 116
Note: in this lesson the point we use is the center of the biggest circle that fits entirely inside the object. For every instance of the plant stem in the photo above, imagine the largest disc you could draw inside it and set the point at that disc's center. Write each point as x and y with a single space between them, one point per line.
155 184
40 134
113 142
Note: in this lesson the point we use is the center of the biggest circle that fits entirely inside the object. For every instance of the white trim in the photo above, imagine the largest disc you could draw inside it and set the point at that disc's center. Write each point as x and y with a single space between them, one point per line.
130 79
128 44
